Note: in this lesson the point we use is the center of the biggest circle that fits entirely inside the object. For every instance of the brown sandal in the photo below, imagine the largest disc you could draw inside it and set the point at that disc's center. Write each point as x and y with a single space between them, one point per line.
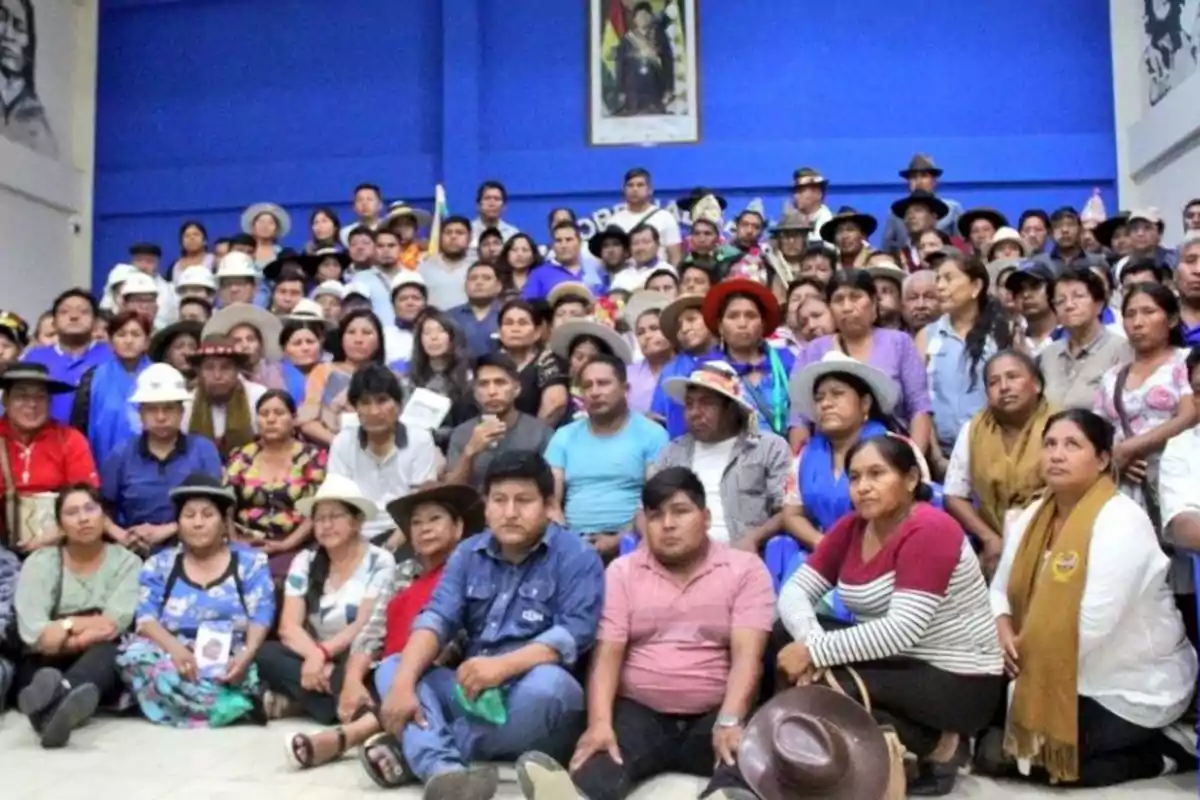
303 754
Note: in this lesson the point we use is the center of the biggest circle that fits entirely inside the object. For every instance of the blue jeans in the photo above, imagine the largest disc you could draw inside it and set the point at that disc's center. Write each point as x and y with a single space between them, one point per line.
385 673
545 712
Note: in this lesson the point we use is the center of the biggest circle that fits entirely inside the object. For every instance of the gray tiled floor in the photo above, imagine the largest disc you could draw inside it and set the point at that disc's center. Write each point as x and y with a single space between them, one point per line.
132 760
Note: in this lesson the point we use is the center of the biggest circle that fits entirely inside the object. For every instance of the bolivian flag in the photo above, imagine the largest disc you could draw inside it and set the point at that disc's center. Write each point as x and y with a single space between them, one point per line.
440 212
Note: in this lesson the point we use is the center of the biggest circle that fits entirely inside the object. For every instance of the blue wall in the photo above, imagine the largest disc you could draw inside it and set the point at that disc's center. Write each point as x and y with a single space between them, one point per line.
208 105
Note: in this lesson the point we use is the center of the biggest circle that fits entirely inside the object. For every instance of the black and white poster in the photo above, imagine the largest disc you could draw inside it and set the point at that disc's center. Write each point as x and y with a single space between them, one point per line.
1169 55
22 115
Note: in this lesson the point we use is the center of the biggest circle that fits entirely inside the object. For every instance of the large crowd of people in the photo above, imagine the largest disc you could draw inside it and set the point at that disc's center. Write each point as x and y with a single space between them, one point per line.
766 504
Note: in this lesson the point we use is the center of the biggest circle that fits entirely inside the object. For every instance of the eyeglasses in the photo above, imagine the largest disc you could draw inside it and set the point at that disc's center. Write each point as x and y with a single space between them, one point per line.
329 519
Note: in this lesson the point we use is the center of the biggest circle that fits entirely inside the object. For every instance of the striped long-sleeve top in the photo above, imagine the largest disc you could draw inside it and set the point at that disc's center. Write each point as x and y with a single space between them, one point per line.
921 596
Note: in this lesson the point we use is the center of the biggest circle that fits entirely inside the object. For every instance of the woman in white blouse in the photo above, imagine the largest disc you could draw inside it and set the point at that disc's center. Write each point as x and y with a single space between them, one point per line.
1091 636
329 595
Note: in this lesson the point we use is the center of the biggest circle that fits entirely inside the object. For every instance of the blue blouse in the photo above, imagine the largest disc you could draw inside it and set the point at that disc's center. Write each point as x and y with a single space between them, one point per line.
243 596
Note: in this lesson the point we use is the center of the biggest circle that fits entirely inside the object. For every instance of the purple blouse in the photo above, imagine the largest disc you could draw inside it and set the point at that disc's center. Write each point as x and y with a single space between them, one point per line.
893 353
642 383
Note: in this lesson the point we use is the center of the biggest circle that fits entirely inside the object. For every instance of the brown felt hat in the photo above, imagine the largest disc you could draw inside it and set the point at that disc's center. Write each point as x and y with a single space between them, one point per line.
815 743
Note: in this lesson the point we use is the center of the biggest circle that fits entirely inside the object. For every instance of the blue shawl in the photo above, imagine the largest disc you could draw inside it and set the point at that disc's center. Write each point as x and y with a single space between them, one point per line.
111 418
827 500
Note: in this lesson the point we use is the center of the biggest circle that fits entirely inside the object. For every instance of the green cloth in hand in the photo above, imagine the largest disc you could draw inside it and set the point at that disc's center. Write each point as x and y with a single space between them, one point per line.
488 706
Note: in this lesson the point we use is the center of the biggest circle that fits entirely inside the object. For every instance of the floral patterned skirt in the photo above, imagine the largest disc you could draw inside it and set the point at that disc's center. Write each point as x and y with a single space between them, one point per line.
167 699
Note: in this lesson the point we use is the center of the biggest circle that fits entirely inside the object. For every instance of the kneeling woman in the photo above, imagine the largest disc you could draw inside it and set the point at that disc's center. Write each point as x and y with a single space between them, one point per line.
206 607
73 603
925 645
1091 636
434 520
328 596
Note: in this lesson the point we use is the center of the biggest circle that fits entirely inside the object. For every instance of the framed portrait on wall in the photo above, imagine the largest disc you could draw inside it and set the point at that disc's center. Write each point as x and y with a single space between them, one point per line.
643 81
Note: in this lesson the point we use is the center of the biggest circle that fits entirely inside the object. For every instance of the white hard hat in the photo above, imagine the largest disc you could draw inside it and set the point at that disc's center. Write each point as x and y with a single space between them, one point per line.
197 276
236 265
332 289
160 383
139 283
306 311
409 278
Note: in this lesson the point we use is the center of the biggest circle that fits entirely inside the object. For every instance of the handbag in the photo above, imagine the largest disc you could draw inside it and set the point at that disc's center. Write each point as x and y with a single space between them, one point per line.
11 514
1149 485
897 785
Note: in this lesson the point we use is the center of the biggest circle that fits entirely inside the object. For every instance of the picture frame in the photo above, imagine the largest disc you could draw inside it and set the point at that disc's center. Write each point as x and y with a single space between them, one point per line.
643 72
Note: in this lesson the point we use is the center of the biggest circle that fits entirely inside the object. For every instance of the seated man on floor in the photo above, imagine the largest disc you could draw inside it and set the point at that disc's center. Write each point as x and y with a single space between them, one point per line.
528 594
743 468
677 666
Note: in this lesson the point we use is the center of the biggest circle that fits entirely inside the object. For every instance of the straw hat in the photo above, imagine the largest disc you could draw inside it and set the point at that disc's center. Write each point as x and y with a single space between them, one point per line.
281 218
570 289
330 288
401 209
160 383
713 376
1006 234
885 391
267 324
342 489
640 302
563 338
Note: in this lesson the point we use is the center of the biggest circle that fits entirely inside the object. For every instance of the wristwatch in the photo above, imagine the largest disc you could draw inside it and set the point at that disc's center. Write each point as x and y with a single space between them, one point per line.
727 721
68 624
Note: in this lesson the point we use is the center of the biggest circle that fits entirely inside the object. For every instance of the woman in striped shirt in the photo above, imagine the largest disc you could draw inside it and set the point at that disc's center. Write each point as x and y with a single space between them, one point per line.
925 644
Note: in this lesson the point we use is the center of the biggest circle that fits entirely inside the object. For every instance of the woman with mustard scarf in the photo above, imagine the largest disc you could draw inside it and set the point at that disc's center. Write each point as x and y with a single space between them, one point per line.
995 459
1092 640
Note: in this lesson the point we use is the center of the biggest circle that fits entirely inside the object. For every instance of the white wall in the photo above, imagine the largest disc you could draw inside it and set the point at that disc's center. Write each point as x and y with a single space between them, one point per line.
1158 145
46 199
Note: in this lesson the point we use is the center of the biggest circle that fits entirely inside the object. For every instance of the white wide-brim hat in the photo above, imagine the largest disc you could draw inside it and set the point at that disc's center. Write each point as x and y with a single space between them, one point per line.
306 311
884 390
160 383
342 489
330 289
281 217
563 338
267 324
642 301
201 277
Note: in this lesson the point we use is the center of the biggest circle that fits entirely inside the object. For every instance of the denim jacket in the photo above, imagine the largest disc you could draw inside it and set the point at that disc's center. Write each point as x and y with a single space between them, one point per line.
553 597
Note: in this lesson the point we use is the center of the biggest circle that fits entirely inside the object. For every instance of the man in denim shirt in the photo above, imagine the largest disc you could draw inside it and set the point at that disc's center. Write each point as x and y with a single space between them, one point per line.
528 593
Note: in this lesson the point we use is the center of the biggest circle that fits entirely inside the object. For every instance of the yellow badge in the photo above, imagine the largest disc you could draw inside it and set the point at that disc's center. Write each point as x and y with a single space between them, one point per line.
1064 565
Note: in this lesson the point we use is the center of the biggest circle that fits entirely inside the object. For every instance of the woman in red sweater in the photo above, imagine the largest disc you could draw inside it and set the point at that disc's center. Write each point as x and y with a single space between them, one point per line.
434 520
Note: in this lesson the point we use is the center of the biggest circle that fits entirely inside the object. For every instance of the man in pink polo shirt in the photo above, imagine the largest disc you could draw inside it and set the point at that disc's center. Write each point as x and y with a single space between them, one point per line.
677 662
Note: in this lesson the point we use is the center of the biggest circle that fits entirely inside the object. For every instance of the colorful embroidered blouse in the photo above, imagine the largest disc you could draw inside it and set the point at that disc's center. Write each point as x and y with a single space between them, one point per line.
271 507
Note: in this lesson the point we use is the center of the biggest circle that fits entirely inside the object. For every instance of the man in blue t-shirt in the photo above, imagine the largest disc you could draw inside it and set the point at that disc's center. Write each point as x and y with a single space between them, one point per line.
600 462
